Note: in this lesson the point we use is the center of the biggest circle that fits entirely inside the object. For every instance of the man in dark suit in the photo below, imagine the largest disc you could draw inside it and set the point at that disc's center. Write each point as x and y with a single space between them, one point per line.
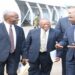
62 25
69 41
11 41
38 47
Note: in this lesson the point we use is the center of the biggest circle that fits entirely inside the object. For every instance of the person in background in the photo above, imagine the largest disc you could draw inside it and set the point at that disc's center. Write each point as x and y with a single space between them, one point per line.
40 42
36 21
11 41
62 25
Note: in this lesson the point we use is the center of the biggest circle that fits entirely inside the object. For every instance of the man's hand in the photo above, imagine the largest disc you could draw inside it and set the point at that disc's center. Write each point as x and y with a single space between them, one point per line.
57 59
71 46
58 46
24 61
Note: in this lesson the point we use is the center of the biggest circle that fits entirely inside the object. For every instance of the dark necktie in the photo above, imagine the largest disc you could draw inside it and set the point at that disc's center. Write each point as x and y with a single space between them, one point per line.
11 39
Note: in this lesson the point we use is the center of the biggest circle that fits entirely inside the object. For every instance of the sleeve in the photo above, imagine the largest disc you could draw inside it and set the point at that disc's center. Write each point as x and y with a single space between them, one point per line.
58 39
64 43
59 27
26 46
22 40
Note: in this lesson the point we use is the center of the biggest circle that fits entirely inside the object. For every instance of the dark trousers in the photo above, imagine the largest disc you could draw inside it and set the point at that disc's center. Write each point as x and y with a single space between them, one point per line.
11 66
42 66
70 67
64 65
64 52
2 68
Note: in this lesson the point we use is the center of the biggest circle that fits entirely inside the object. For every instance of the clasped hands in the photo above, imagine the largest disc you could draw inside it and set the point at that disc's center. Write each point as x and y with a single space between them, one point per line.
24 61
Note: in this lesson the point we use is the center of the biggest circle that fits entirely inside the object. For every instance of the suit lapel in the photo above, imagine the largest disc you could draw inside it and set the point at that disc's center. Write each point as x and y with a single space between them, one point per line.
38 35
71 33
49 36
5 31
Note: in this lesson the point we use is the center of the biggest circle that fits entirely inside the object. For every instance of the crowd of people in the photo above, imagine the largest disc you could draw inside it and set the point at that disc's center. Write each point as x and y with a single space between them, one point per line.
36 48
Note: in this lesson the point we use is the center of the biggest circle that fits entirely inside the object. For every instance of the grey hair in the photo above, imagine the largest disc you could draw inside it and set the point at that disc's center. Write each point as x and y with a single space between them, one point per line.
6 14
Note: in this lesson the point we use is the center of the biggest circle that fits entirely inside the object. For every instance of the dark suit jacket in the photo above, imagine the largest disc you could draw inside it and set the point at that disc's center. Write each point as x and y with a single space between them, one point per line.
62 25
68 39
5 43
33 43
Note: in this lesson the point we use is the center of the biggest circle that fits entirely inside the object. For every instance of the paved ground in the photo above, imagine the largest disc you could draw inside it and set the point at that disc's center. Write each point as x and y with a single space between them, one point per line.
56 70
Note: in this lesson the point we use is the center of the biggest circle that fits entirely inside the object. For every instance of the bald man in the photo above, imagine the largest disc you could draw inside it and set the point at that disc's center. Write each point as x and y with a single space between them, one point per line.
39 43
11 41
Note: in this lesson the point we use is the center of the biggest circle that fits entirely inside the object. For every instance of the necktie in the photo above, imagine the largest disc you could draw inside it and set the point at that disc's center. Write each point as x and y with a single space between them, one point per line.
43 42
11 39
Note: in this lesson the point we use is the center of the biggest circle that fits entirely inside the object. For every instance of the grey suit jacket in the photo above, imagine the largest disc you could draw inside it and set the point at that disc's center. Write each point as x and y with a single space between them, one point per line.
32 48
62 25
68 39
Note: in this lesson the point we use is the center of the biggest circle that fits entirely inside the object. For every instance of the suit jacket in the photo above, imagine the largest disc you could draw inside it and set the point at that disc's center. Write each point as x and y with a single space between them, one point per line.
33 43
68 39
5 43
62 25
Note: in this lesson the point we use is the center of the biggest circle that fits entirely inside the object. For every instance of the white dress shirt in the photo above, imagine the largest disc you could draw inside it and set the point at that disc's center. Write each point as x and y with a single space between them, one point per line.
43 46
14 32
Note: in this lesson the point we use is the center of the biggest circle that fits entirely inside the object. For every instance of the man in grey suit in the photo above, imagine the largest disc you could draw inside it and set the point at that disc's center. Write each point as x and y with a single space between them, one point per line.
39 46
11 40
62 25
69 41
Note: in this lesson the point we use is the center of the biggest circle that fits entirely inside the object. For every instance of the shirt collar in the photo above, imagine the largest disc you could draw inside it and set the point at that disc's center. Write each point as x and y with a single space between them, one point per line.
44 30
7 24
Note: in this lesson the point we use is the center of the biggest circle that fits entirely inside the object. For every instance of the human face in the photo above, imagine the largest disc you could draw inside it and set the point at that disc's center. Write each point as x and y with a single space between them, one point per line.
12 18
71 15
44 24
